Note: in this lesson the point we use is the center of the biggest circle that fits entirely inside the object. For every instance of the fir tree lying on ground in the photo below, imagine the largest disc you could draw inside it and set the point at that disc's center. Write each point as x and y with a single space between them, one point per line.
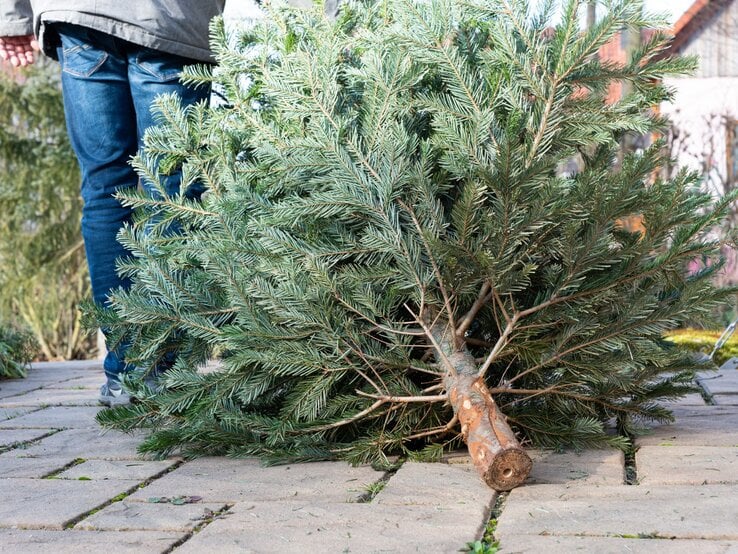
387 241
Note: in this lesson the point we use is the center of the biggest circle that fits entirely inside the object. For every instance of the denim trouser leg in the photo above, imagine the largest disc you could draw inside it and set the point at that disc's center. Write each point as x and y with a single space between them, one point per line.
108 85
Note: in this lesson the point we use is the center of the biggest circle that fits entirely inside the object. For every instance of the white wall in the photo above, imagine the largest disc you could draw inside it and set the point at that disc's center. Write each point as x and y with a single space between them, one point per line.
697 111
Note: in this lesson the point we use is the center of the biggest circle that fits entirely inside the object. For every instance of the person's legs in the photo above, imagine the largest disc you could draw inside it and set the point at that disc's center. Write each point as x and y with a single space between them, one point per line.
151 74
108 87
101 121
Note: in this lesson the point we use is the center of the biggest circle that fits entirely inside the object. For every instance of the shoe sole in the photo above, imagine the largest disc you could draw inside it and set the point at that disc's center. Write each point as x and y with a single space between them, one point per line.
113 402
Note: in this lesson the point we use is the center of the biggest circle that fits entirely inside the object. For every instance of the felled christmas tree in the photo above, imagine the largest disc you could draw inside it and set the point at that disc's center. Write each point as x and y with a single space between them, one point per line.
389 257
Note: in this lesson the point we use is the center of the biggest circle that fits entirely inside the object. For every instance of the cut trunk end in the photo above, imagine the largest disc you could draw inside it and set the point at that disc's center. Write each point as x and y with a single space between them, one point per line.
497 454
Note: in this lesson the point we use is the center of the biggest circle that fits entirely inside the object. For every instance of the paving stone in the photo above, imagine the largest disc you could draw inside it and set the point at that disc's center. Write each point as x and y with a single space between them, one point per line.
526 544
693 399
228 480
58 367
681 412
722 382
299 527
85 443
9 413
590 467
38 541
51 397
706 426
117 469
11 437
51 376
141 516
675 511
725 399
454 484
604 466
60 417
88 382
41 379
666 465
15 387
732 363
51 503
33 468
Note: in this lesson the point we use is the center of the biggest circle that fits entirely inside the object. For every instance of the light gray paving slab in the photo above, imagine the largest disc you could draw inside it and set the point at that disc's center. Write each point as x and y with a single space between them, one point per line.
725 399
133 470
722 382
9 413
526 544
51 503
88 382
695 465
229 480
70 365
708 426
39 541
294 527
142 516
590 467
675 511
37 379
51 375
681 412
32 468
52 397
692 399
462 486
60 417
15 387
11 437
87 444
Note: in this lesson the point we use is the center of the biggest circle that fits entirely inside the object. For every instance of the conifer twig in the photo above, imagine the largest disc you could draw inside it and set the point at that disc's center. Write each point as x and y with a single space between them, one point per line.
348 420
405 399
449 366
434 265
499 345
482 298
435 431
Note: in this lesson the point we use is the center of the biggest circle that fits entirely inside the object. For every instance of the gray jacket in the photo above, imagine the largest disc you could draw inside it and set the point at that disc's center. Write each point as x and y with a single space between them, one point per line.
173 26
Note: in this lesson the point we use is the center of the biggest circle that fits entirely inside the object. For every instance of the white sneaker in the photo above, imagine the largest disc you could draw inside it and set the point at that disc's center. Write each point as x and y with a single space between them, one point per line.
112 394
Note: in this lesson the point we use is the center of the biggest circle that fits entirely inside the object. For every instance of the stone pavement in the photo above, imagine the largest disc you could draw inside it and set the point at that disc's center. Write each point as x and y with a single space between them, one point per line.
65 486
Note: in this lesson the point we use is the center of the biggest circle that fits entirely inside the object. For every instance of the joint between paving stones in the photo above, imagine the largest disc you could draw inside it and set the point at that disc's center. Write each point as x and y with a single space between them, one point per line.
489 530
199 527
53 474
630 470
72 522
23 444
373 489
706 396
40 387
21 414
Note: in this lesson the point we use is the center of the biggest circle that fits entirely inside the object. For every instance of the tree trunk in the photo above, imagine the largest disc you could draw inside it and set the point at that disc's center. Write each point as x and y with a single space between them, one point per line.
497 454
495 451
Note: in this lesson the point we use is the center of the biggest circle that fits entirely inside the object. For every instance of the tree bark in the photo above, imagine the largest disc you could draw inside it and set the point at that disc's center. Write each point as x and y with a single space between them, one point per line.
496 453
493 447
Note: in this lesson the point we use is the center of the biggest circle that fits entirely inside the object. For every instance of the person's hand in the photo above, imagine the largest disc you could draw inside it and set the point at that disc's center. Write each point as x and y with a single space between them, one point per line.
19 51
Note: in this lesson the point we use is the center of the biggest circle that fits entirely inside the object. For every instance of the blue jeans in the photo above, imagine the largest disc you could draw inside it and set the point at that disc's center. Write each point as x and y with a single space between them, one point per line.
108 86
